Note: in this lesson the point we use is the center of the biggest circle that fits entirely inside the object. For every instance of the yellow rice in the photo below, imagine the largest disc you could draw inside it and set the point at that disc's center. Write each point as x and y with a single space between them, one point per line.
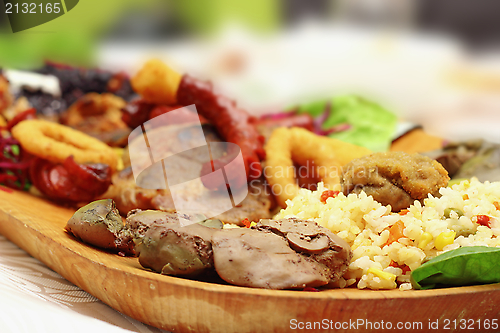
364 224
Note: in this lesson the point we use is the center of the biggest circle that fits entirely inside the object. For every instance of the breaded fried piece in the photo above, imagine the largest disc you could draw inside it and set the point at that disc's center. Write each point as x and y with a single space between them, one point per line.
394 178
287 146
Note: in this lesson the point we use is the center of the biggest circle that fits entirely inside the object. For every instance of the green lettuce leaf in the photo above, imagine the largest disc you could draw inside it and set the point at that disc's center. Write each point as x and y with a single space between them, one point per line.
463 266
371 125
315 108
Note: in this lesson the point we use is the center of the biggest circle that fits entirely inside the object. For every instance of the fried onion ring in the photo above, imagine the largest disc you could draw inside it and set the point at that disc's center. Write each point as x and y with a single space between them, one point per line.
325 155
56 142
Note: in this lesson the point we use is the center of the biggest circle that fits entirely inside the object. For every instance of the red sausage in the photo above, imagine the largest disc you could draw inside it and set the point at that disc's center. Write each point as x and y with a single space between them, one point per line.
70 182
233 124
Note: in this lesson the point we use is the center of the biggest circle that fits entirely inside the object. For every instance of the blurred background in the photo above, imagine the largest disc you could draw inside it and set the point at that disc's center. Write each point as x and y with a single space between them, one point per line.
434 63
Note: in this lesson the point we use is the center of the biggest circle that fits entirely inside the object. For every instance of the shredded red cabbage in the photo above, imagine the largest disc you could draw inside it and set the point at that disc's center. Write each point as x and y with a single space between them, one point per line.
14 164
320 120
316 127
278 115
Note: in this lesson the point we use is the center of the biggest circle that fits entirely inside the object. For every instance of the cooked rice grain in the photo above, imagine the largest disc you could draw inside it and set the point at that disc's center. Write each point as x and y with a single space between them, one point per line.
364 224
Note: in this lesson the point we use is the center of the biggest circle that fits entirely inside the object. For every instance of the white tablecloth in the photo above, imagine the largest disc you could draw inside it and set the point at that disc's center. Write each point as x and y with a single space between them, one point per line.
33 298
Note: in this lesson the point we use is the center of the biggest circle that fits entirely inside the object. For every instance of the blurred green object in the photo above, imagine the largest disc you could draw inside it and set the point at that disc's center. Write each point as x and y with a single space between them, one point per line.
369 124
26 50
209 17
315 108
372 126
71 38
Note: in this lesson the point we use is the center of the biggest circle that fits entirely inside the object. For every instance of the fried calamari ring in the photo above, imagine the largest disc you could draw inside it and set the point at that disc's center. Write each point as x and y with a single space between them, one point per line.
56 142
100 116
326 156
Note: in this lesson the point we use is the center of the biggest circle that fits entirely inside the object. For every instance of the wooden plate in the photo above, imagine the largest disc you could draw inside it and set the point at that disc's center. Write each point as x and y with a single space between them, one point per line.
182 305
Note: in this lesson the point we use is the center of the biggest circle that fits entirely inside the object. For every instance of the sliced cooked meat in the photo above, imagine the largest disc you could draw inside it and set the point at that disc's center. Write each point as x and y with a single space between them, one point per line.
474 158
128 196
284 254
254 207
310 238
100 224
394 178
145 194
139 221
168 247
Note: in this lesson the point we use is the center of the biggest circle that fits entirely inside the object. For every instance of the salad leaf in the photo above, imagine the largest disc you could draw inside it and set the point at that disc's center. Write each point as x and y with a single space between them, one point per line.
315 108
463 266
370 125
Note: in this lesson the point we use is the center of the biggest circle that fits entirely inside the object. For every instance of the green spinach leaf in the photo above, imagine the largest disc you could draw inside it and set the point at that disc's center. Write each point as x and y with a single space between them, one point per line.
463 266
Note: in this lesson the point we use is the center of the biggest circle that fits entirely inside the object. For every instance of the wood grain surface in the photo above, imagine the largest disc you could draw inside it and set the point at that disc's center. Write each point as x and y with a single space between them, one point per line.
182 305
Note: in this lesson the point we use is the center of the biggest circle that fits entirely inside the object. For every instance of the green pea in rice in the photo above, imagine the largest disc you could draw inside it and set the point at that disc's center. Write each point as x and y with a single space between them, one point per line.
364 224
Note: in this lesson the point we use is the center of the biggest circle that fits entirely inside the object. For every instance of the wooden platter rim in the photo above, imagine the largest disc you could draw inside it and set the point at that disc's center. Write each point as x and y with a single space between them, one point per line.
345 293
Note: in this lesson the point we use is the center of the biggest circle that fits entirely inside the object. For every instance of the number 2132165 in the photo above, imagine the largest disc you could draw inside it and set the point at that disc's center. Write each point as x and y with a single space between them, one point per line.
32 8
464 324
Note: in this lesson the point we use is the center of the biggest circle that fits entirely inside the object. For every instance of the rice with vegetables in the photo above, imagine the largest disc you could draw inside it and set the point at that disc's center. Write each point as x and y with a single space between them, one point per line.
387 246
